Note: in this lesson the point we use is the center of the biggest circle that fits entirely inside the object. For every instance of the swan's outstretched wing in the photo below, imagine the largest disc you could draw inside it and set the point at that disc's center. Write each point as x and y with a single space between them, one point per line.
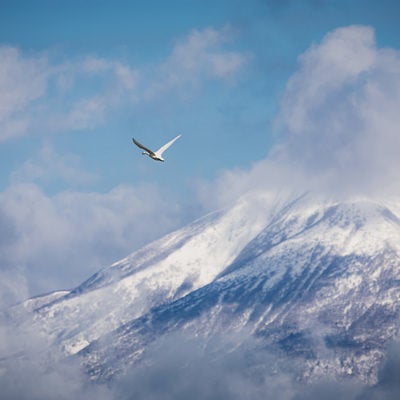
165 147
142 147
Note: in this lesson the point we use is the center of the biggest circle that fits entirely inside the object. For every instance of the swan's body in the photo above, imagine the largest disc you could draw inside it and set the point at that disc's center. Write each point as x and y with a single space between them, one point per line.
155 155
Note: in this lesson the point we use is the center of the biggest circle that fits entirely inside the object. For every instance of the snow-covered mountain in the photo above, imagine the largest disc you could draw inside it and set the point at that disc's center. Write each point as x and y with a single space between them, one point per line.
316 280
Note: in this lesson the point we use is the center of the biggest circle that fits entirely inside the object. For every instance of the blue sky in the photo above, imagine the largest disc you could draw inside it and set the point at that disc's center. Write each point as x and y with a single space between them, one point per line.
268 35
78 79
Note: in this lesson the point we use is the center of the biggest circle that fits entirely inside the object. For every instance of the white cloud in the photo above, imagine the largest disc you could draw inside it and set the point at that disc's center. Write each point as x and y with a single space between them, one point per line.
198 57
26 372
23 80
338 125
13 289
229 185
41 94
126 76
85 107
339 114
86 113
58 241
325 70
50 166
200 53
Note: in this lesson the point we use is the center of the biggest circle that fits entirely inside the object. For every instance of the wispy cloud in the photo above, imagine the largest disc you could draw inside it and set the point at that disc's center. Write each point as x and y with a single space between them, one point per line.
50 166
39 93
199 57
85 92
23 80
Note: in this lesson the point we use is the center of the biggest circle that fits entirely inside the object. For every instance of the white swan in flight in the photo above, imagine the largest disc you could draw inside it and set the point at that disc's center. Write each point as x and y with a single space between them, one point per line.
155 155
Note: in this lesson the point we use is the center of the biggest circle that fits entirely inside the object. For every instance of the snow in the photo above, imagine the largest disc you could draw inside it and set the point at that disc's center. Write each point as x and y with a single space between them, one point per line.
193 257
36 302
275 260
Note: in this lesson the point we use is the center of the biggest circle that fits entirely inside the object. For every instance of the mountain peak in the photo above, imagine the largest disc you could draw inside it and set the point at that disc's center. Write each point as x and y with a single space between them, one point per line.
307 275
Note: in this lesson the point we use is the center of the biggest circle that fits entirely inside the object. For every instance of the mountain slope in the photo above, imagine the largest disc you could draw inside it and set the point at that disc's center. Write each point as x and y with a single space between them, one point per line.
320 283
161 272
314 280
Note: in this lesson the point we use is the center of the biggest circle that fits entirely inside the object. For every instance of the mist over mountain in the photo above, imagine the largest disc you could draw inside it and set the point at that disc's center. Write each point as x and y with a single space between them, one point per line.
302 287
291 290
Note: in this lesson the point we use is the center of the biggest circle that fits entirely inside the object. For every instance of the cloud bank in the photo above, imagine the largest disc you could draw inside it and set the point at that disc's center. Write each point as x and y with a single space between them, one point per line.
339 113
25 373
176 367
337 128
179 367
58 241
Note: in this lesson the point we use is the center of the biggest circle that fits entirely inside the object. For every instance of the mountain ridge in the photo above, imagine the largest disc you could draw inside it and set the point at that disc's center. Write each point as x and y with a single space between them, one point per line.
318 280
